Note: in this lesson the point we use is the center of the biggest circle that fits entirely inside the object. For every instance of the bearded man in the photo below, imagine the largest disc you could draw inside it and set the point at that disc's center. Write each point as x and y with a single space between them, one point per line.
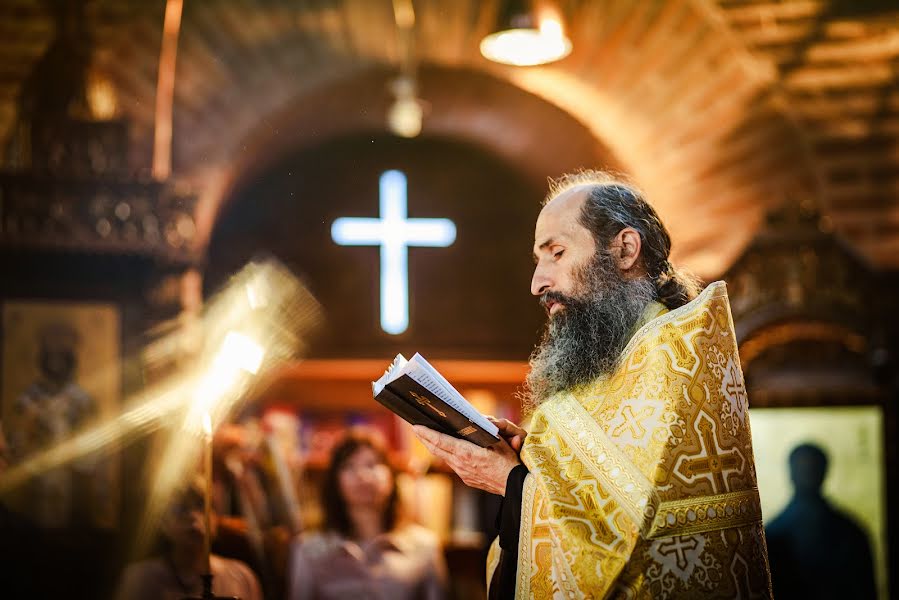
635 478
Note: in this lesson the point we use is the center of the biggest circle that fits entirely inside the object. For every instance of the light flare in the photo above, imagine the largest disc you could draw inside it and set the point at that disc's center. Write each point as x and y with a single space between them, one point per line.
246 340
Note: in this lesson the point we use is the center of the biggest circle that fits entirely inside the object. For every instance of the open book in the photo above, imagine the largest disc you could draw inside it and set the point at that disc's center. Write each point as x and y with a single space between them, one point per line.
415 391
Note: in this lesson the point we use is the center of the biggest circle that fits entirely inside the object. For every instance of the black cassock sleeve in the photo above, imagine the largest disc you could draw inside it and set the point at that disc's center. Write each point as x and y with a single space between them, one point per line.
508 521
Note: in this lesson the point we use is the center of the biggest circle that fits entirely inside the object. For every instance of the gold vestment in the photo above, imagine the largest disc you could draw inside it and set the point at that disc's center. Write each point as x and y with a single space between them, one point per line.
642 484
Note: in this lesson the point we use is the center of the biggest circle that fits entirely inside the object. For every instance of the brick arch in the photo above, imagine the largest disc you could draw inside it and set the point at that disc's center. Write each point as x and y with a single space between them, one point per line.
465 105
697 119
666 88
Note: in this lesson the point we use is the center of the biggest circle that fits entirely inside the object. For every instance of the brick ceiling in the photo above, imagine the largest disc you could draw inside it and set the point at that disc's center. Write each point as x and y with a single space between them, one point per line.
720 110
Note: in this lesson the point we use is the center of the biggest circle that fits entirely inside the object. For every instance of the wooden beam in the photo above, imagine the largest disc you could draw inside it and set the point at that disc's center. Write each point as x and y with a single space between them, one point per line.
777 34
165 90
847 76
849 103
875 47
766 11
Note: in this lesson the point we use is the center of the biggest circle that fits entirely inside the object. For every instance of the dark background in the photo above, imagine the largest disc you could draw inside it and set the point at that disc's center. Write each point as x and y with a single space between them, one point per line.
469 300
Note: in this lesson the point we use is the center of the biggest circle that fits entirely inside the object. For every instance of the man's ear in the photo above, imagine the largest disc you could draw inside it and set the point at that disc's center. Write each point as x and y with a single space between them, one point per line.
628 245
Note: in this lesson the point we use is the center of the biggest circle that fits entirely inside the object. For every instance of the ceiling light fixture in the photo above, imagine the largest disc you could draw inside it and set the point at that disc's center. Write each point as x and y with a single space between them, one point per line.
523 38
405 115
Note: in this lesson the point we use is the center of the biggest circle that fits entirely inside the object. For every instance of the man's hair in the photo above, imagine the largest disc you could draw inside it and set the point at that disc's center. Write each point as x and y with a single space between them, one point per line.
612 204
337 517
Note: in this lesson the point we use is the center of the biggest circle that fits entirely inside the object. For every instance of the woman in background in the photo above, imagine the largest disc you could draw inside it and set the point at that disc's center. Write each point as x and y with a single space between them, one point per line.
365 551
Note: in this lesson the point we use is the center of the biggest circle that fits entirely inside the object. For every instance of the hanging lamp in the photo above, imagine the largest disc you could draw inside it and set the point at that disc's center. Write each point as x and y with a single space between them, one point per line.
524 38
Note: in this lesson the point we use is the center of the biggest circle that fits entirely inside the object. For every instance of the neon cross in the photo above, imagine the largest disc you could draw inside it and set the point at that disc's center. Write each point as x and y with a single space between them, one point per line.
394 233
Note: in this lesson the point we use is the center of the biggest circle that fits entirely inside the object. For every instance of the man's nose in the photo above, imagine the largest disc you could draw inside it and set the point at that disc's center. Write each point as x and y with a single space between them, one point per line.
541 281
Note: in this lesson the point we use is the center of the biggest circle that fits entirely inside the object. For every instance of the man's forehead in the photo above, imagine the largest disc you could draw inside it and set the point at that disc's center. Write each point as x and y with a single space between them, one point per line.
559 218
568 199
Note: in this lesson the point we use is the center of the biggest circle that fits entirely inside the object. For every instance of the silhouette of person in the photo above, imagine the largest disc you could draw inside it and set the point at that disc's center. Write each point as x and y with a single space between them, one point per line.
815 550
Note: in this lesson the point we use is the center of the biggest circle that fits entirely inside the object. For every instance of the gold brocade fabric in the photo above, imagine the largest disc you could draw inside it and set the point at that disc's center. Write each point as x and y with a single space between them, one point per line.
642 485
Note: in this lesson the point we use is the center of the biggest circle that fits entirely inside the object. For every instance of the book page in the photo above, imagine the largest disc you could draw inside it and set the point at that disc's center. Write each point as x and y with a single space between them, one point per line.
427 376
396 368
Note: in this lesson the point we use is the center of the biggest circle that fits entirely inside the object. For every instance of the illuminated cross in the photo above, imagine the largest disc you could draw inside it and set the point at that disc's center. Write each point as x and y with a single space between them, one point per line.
394 233
713 464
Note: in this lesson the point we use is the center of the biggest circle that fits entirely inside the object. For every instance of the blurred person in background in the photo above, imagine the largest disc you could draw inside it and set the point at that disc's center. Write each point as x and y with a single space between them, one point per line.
816 550
256 497
366 549
177 573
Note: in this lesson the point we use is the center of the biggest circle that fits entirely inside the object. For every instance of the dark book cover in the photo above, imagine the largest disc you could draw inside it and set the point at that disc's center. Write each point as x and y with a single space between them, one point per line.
408 412
415 404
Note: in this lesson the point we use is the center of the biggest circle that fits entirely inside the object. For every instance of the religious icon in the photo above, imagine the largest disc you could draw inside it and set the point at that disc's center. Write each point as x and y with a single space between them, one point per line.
60 374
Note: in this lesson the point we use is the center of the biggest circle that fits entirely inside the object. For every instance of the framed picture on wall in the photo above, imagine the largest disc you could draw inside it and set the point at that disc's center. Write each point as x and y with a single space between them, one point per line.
840 451
61 373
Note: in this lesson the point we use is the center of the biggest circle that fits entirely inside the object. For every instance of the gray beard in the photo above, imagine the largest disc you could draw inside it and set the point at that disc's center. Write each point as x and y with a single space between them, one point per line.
586 338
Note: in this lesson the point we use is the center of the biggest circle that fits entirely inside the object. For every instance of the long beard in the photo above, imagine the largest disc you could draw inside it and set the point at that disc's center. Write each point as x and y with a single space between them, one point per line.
586 338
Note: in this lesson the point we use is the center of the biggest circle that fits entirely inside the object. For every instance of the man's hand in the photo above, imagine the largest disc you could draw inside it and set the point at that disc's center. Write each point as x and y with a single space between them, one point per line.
482 468
510 432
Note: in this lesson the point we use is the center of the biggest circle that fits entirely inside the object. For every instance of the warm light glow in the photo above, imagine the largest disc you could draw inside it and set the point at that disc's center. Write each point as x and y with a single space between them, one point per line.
551 28
238 355
240 338
404 14
394 233
165 90
404 117
240 352
254 297
527 47
101 98
200 393
142 416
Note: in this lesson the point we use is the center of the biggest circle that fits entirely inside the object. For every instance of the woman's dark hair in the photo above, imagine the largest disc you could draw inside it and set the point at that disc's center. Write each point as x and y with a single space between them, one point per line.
613 204
336 516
